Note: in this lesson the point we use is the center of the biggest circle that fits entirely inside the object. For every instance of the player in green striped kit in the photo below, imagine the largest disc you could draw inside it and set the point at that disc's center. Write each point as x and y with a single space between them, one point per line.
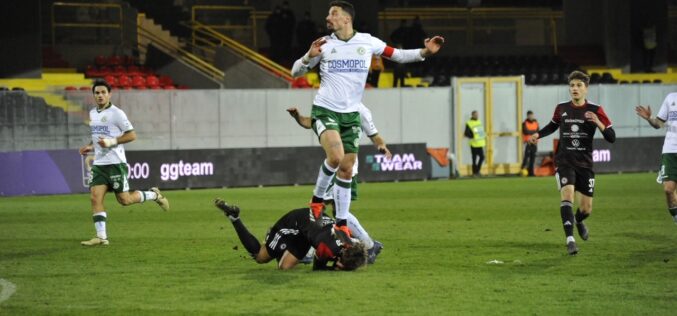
110 129
344 58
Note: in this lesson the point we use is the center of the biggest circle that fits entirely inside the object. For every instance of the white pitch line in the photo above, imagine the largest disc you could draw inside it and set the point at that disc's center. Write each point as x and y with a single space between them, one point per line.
8 288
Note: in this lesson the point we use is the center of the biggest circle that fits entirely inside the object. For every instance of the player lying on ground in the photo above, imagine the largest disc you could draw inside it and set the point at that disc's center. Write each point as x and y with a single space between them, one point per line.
577 121
668 172
344 58
369 128
291 237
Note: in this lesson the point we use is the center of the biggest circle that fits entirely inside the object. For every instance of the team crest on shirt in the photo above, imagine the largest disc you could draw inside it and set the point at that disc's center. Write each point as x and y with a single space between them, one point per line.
283 246
361 50
564 181
574 128
104 119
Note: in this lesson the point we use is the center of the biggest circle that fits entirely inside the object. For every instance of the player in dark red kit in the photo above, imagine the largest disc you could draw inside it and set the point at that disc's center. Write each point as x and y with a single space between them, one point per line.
577 121
291 237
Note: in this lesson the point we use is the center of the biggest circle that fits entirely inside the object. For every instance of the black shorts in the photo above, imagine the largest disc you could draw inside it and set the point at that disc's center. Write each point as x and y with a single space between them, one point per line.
583 179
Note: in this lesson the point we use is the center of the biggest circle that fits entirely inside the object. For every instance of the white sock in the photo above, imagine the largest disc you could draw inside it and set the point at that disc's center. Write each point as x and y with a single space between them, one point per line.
323 179
148 196
570 239
100 224
359 232
342 198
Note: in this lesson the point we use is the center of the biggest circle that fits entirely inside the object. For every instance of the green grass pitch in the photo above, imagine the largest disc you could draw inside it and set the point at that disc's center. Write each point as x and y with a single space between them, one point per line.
438 237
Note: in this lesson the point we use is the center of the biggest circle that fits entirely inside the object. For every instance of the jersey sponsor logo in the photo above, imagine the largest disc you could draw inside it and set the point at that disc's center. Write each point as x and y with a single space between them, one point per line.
100 129
347 65
672 115
575 143
399 162
574 121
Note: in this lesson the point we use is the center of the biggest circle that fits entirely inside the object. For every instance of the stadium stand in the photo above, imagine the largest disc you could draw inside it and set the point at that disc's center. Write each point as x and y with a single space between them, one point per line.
123 72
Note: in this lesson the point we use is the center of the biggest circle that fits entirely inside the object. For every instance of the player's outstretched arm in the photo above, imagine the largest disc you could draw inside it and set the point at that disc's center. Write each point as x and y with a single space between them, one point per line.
304 121
431 46
645 113
310 59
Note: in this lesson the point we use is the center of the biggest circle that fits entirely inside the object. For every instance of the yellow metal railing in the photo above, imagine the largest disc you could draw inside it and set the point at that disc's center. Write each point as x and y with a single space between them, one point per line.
227 25
178 52
103 24
208 36
472 20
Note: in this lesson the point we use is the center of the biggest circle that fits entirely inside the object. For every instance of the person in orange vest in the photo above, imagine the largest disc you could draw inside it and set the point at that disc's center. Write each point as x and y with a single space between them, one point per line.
529 127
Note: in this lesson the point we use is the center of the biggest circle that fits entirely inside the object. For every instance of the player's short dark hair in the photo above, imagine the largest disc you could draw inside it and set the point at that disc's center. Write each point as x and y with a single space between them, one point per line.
100 83
529 112
345 6
577 74
354 257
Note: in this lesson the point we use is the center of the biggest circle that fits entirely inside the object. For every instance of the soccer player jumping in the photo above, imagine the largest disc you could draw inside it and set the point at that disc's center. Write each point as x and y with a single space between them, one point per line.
577 121
344 58
668 173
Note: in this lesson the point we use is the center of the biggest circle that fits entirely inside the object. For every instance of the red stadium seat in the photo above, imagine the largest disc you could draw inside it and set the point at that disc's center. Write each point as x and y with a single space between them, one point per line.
124 81
166 81
301 83
118 71
85 88
103 71
100 60
170 87
138 81
70 88
140 87
155 87
128 60
152 81
133 70
111 80
114 61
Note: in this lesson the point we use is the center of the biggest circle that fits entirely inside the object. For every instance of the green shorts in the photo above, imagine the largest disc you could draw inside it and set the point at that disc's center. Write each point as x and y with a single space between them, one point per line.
347 124
668 169
113 176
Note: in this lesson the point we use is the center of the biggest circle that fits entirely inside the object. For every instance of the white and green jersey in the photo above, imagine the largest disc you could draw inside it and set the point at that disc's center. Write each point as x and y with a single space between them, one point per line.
111 122
344 66
668 114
